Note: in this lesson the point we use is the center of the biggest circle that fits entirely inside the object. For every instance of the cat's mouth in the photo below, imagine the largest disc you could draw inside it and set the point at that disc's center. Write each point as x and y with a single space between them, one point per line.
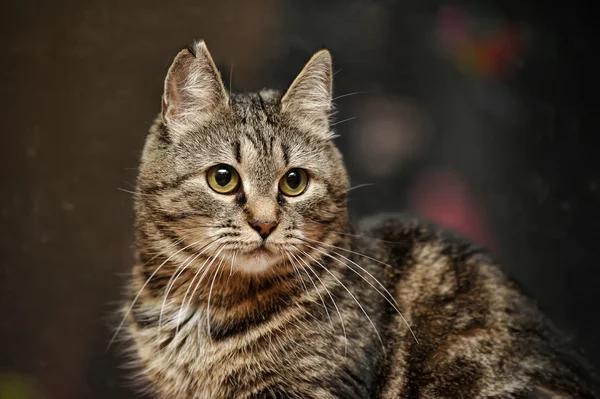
262 250
256 260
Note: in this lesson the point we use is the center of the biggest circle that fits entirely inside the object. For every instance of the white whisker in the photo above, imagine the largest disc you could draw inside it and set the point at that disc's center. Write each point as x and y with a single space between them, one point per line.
127 191
353 297
232 264
349 94
361 236
354 263
318 292
202 278
360 186
181 307
342 121
230 79
171 281
368 282
364 256
142 289
301 280
333 301
209 295
296 271
178 273
167 248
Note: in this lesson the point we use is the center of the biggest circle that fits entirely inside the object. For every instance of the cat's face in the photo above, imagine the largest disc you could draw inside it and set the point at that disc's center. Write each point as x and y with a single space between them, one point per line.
248 179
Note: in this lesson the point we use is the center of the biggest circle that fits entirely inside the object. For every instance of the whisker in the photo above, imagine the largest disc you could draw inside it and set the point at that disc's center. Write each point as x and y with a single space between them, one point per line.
351 295
202 277
178 273
362 236
222 269
130 184
368 282
140 293
194 228
179 270
181 307
167 248
126 191
350 94
136 194
318 292
342 121
354 263
296 270
360 186
333 301
210 293
302 281
359 236
231 266
230 79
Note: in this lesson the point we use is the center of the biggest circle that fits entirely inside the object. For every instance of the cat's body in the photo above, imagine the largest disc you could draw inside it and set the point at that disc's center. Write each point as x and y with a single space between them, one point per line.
253 288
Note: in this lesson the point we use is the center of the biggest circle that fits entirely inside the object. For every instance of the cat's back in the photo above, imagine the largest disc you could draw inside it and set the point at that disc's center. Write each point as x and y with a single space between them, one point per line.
478 335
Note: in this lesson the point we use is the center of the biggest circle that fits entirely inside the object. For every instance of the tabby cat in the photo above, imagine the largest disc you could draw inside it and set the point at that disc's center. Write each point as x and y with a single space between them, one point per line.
251 282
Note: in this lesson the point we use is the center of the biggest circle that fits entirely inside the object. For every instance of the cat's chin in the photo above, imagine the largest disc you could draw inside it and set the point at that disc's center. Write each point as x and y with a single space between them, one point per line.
256 261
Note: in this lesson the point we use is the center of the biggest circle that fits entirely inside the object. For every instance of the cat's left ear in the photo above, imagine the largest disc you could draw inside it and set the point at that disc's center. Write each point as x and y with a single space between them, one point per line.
308 99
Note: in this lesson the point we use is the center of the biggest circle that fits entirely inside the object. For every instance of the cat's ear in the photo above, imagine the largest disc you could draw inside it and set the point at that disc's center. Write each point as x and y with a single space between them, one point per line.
193 87
309 97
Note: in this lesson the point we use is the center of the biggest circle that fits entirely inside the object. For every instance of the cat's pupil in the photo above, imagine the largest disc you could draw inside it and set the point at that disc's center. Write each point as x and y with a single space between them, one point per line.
293 179
222 176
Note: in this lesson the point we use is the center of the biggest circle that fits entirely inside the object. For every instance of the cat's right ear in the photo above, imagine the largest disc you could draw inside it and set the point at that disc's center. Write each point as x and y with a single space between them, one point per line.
308 99
193 87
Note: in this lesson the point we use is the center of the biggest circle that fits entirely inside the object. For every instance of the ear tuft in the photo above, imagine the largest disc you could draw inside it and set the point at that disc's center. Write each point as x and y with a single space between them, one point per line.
193 87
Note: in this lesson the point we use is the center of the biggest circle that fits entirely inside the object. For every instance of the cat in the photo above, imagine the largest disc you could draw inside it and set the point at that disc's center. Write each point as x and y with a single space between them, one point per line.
252 283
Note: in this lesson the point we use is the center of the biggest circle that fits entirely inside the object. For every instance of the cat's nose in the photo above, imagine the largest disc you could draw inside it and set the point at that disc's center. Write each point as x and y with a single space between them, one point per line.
263 228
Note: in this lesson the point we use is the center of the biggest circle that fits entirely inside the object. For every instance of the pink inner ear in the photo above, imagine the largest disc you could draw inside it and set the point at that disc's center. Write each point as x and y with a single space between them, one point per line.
174 82
309 96
193 87
172 98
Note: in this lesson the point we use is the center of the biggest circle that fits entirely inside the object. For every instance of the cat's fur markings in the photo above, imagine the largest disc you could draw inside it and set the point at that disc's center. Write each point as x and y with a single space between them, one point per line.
312 310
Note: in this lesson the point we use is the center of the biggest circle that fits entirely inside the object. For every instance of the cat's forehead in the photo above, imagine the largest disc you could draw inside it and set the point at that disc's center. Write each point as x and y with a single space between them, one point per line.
254 136
255 131
254 99
255 107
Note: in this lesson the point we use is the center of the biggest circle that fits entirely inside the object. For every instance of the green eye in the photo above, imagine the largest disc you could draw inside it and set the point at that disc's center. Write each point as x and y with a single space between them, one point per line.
223 179
294 182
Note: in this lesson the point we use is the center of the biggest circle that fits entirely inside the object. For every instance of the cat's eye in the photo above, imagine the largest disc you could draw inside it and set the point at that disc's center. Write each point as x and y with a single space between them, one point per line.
294 182
224 179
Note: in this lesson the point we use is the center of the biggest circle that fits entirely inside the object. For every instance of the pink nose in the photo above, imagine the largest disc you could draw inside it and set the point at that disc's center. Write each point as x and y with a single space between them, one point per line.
263 228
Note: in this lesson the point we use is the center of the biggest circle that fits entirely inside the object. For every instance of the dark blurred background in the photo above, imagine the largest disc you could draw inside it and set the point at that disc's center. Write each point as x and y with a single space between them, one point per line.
476 115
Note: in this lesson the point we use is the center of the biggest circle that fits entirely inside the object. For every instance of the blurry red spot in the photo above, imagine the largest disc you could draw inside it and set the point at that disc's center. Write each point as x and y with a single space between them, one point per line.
445 199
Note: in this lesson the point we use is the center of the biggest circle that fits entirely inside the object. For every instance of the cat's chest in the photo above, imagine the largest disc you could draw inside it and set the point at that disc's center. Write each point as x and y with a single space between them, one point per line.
193 361
194 358
193 348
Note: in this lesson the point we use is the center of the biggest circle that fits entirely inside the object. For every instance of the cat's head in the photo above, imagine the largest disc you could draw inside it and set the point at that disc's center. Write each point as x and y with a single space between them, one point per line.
244 178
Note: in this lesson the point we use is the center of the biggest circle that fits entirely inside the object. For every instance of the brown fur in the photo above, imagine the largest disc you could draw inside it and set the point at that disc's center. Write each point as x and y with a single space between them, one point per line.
397 310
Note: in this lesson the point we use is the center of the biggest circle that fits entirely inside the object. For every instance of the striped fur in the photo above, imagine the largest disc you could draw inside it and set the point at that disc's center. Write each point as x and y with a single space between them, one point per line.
395 309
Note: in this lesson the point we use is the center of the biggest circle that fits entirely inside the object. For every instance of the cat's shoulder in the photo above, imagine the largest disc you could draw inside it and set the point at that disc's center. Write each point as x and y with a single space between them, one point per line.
408 233
472 297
